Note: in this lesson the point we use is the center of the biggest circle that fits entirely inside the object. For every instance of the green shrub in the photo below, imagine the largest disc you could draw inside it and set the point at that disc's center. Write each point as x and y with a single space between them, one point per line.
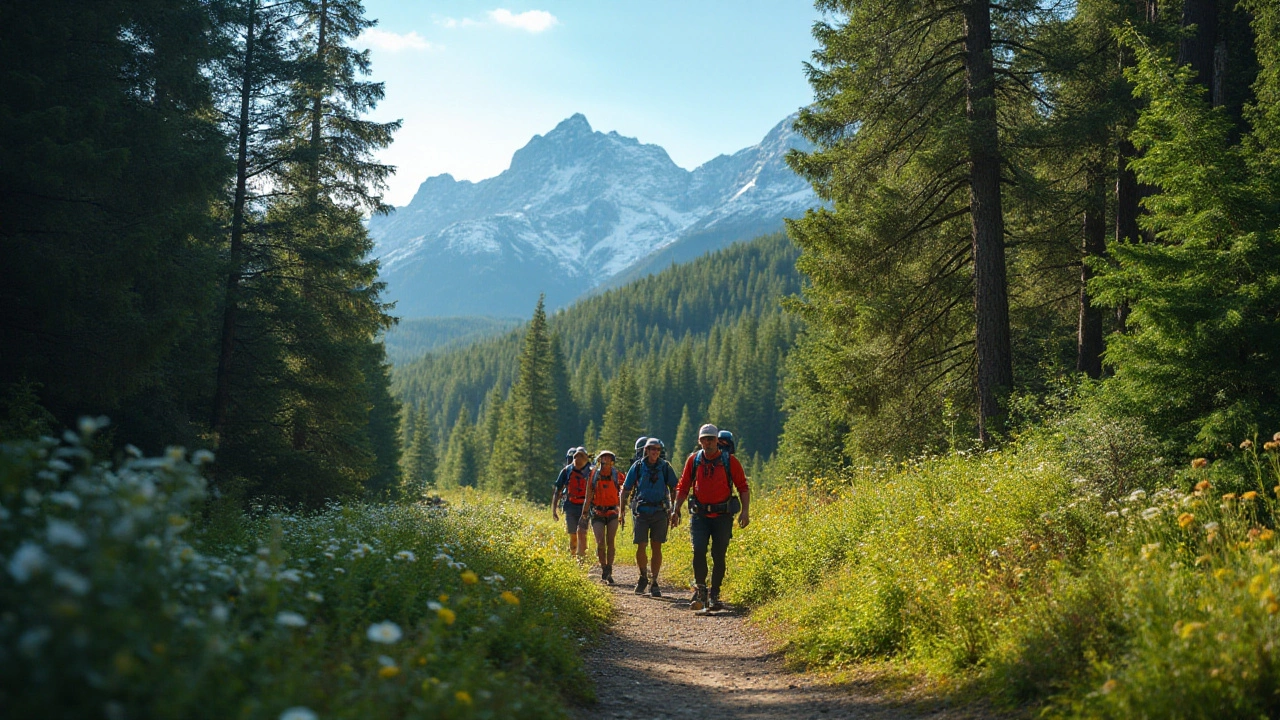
117 604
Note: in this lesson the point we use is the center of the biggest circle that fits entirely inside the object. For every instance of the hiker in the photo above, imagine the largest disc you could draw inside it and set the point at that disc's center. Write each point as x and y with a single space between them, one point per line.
638 455
601 508
654 482
570 494
711 475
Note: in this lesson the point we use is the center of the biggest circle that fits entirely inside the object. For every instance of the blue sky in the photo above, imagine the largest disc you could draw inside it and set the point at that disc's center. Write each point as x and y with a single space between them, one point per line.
473 81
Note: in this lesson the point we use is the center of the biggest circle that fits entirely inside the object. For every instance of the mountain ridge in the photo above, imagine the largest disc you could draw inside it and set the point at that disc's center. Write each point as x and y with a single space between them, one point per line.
576 209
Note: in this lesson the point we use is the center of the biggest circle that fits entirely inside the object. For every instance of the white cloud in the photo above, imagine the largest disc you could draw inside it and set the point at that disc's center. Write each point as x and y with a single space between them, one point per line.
393 42
534 21
451 23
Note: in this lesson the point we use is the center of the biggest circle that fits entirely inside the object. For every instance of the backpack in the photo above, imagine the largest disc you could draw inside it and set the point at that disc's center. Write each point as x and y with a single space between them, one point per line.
605 512
732 506
576 492
644 474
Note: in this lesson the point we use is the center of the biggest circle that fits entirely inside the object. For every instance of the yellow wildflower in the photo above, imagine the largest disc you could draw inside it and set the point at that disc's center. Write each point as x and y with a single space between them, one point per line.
1228 497
1246 444
469 577
510 597
1251 495
1257 584
444 597
447 615
1189 629
1266 534
1199 463
1221 573
1185 519
1273 608
1202 485
386 672
1108 687
463 697
1270 445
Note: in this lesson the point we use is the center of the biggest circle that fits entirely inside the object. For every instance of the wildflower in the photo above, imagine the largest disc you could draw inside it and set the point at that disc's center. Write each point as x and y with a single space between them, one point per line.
1246 444
291 575
290 619
1276 437
314 596
201 457
1108 687
434 606
470 577
360 550
65 499
447 615
463 697
1273 607
1270 445
1221 573
407 556
30 642
61 532
30 559
385 632
1211 527
1188 629
1113 514
1266 534
1185 519
299 713
219 612
1251 495
1149 549
1202 485
386 672
444 597
510 597
1199 463
1228 497
1137 495
1150 513
73 582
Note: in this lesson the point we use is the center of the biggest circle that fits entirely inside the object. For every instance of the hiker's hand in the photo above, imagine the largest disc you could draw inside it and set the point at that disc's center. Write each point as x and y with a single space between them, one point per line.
675 518
622 520
744 519
555 515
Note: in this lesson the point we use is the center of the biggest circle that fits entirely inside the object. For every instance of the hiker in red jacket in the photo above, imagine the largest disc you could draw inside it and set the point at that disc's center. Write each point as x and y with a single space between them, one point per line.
603 509
711 476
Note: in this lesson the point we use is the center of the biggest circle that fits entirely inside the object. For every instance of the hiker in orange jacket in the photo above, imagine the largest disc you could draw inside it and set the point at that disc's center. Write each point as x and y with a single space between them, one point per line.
570 494
711 475
603 508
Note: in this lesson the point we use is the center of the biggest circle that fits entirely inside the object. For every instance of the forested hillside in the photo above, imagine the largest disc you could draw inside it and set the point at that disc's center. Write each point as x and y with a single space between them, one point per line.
697 342
183 248
410 339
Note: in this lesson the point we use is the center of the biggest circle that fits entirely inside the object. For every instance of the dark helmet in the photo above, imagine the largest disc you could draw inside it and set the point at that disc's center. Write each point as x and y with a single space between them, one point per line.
640 441
568 455
725 440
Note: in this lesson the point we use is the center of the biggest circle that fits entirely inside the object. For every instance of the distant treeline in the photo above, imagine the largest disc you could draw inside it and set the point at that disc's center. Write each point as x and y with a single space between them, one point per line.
182 191
706 341
411 339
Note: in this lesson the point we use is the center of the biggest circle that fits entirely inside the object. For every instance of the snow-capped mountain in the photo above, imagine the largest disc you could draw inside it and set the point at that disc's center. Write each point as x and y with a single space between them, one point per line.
577 209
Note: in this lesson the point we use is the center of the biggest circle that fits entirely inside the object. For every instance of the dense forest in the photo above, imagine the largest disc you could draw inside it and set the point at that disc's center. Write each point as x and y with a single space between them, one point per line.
706 340
410 339
183 192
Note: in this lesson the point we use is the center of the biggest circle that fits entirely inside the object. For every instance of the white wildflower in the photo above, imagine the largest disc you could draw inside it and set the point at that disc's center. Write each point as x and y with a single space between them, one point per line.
1150 513
361 550
65 499
407 556
441 557
314 596
1211 527
219 613
386 661
299 713
434 606
32 496
61 532
150 542
290 575
385 632
60 465
30 559
1113 514
201 457
494 578
1137 495
290 619
30 642
71 581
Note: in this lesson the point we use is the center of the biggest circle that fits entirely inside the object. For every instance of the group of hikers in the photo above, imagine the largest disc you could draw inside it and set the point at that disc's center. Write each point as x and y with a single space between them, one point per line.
598 493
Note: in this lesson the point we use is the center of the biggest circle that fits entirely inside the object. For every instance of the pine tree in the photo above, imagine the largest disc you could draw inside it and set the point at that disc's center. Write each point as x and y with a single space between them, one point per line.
461 465
623 417
420 458
525 456
683 442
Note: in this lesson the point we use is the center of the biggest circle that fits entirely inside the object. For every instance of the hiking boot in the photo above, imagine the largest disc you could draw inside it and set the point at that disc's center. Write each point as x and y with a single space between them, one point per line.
715 605
654 590
607 574
641 584
699 601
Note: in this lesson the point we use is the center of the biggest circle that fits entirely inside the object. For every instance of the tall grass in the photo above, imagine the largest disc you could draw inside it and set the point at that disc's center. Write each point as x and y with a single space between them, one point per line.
1003 573
121 602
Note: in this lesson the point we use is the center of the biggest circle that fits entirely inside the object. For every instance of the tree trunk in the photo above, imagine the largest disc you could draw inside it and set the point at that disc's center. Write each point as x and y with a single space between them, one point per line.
990 289
226 352
1197 49
1089 329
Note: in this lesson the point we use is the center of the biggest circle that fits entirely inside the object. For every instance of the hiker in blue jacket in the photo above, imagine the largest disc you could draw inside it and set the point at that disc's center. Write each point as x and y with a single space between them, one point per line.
653 482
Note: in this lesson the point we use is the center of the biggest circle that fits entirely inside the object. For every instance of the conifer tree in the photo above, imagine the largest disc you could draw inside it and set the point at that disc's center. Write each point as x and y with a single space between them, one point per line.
525 457
420 458
462 461
623 417
683 442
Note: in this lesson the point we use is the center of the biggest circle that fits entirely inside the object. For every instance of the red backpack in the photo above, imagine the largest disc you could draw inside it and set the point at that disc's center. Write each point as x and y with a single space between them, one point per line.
577 486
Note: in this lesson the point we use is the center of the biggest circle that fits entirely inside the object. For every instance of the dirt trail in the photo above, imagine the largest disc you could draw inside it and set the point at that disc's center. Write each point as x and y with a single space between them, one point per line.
661 660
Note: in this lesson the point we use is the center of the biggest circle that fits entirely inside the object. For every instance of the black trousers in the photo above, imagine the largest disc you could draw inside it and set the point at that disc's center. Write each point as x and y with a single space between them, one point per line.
715 532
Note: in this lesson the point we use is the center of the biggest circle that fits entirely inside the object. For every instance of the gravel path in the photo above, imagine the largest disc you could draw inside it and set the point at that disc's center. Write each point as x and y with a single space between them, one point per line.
660 660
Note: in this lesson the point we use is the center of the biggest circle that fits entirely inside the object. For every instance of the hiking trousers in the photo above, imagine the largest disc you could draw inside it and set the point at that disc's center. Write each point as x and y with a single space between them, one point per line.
715 532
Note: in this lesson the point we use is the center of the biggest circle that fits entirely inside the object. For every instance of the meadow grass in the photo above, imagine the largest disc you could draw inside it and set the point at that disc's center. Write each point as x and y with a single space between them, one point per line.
1000 574
121 602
